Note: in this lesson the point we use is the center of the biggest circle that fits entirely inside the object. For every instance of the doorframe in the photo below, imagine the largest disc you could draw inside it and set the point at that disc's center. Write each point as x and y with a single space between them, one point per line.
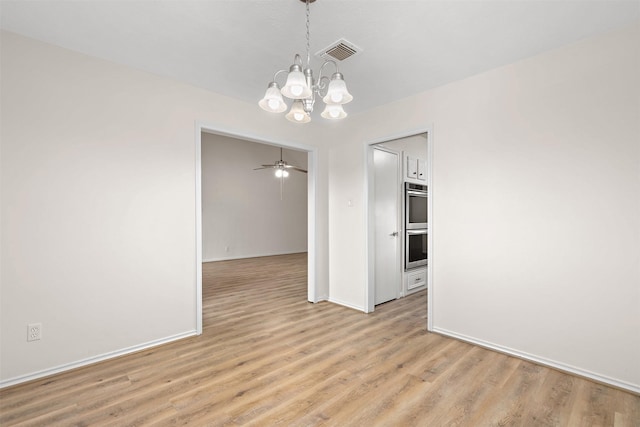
369 302
312 167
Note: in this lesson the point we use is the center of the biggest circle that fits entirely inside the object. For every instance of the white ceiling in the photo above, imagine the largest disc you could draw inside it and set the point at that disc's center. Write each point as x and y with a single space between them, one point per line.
233 47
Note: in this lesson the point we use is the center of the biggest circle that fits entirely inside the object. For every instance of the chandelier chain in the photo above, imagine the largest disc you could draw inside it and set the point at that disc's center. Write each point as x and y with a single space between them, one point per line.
308 44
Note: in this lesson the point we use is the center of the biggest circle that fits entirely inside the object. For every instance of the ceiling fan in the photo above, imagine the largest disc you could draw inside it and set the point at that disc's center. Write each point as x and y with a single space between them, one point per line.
282 170
281 167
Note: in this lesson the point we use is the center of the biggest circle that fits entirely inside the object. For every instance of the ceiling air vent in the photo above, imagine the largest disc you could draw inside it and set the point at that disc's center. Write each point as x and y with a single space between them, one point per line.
339 50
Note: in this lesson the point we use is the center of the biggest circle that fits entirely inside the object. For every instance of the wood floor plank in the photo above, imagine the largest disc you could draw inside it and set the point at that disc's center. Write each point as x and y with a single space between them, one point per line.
267 357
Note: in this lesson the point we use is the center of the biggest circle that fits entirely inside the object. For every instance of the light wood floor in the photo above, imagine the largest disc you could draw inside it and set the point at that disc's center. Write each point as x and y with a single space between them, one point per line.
267 357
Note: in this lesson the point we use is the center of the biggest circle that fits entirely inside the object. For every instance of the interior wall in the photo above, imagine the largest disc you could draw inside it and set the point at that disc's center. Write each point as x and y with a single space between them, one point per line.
243 215
347 232
98 204
414 146
536 206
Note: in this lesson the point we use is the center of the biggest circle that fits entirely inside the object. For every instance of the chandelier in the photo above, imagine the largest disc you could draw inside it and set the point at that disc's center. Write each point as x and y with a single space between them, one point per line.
302 88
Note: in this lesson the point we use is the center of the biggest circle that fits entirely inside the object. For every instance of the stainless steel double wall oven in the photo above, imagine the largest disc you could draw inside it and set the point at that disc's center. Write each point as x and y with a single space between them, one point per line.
416 225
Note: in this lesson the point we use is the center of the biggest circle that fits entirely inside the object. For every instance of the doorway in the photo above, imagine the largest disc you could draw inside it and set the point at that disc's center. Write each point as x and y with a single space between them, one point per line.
415 149
311 205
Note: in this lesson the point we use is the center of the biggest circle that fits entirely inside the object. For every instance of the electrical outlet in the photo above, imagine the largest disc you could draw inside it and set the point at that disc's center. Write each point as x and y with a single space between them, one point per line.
34 331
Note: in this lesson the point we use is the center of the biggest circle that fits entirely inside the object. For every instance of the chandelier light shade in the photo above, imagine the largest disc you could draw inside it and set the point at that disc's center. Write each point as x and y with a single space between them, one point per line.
333 112
272 100
297 113
337 92
303 88
296 86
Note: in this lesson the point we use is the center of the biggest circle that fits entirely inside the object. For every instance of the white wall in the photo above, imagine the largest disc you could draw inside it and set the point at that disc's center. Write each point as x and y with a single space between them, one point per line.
98 204
414 146
347 233
536 198
243 215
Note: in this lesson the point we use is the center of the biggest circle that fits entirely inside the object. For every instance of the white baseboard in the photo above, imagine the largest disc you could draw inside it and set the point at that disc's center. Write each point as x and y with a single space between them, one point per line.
634 388
94 359
346 304
229 258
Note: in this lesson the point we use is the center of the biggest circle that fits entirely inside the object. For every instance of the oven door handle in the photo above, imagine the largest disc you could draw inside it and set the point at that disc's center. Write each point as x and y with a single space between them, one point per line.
417 193
410 232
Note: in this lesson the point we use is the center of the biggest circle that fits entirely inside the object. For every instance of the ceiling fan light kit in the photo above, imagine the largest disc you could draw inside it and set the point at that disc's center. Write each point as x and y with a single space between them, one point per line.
281 173
303 88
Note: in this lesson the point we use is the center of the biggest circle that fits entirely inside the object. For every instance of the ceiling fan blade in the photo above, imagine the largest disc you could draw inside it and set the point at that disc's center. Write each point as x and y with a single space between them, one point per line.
295 168
264 167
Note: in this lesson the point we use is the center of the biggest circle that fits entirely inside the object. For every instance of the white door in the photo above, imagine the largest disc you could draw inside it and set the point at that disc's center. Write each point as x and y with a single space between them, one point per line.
387 225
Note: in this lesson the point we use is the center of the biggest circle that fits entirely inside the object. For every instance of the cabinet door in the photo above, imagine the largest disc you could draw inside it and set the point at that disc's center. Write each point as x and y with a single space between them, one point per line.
412 167
422 170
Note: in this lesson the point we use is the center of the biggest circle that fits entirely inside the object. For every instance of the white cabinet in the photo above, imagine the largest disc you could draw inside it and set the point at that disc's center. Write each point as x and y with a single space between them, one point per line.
416 279
416 169
422 170
412 167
